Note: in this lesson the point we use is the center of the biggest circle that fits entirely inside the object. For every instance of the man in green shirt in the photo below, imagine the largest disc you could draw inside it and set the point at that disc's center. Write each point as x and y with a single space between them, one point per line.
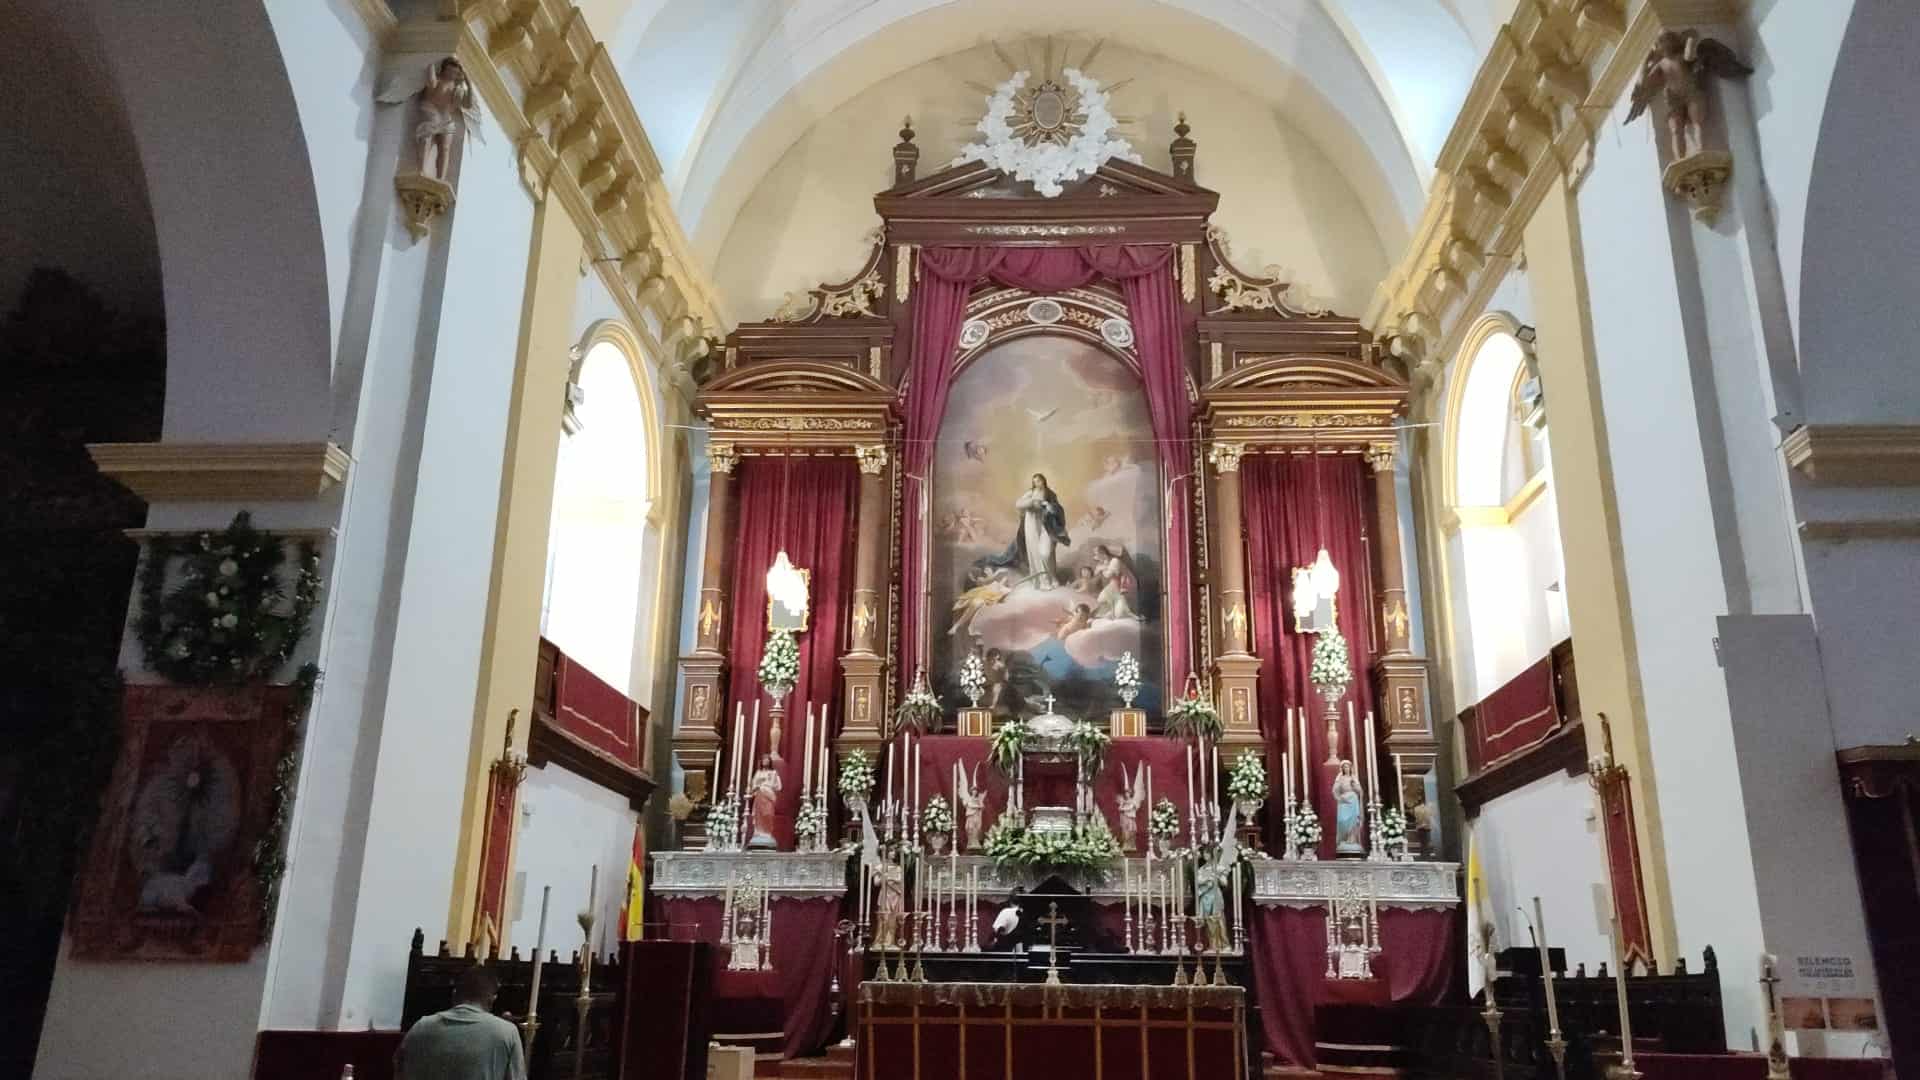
466 1042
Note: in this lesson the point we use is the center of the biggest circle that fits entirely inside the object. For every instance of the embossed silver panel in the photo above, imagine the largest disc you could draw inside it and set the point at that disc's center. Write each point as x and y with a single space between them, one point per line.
1397 885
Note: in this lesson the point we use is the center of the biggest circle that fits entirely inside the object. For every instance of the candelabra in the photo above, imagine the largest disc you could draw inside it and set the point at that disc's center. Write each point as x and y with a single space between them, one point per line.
1132 943
1293 849
1376 840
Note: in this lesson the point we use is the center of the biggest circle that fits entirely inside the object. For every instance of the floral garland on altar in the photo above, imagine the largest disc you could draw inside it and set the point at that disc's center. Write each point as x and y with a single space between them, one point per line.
231 618
920 710
1048 153
1086 849
780 664
1192 714
1087 741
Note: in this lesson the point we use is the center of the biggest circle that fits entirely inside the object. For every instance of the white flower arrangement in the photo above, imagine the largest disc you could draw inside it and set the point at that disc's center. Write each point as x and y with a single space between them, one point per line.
1126 678
780 664
1393 829
919 710
1331 666
937 817
1048 165
856 775
1163 823
1305 830
1193 714
812 820
723 822
973 679
1247 780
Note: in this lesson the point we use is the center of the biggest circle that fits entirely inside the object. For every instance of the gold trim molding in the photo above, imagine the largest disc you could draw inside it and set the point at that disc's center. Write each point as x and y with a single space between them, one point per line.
1547 85
1856 455
219 472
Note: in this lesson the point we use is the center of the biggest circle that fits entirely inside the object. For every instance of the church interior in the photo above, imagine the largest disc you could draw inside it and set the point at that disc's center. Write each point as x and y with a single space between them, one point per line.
963 539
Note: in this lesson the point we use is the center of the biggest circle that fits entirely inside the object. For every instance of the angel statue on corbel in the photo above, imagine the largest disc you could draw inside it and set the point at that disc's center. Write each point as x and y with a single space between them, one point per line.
448 112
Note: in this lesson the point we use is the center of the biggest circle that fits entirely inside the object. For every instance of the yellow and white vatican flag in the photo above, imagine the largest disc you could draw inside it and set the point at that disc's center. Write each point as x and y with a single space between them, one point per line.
1476 915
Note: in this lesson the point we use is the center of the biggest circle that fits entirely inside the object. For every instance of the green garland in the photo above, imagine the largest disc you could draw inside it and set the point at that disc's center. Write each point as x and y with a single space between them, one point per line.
270 850
920 711
1004 750
1090 743
231 618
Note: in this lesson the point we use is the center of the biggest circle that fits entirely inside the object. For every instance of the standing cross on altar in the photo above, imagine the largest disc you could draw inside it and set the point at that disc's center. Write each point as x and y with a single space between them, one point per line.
1053 922
1049 703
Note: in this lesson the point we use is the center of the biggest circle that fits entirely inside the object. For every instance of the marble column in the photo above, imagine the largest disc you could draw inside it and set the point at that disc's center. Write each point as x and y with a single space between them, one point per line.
1236 669
865 664
698 736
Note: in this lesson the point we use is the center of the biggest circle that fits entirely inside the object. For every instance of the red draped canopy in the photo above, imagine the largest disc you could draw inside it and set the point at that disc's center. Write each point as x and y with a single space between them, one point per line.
1160 329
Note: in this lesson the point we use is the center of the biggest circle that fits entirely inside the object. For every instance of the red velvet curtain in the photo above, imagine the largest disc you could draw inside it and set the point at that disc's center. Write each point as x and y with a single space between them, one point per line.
796 996
809 509
1160 327
1293 504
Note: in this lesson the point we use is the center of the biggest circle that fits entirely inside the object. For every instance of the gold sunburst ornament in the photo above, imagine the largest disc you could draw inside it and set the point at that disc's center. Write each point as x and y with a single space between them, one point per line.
1049 133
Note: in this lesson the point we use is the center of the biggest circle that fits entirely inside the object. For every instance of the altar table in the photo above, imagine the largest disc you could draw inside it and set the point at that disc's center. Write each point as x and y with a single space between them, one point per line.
1004 1031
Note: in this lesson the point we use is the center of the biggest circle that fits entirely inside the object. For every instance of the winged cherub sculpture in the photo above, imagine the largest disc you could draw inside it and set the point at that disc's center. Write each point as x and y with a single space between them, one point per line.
1679 65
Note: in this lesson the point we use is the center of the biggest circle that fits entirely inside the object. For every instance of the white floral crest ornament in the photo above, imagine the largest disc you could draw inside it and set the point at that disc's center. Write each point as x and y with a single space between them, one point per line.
1048 135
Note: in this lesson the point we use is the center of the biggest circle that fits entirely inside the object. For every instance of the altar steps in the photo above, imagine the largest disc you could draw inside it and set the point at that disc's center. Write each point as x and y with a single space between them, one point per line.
836 1065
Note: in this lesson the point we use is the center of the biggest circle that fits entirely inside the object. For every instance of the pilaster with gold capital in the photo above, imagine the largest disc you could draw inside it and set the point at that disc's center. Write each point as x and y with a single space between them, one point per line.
1236 669
863 667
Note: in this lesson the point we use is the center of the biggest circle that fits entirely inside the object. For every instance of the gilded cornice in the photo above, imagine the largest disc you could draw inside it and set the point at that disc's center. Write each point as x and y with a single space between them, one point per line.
557 95
222 472
1855 455
1550 79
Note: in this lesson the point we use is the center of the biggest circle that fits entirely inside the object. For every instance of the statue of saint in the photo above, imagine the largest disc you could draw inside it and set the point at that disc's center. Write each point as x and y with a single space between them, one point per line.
1133 793
1211 876
888 933
1348 819
763 787
973 799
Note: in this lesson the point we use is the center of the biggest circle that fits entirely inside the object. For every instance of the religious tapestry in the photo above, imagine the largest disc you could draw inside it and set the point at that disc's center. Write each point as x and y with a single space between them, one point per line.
172 873
1047 529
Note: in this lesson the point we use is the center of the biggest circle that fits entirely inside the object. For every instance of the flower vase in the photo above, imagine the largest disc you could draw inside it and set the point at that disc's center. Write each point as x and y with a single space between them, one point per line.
776 713
1248 808
1163 846
937 843
1331 693
1127 694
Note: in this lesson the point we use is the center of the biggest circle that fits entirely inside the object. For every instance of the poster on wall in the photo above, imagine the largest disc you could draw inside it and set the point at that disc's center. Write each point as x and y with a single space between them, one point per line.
1047 530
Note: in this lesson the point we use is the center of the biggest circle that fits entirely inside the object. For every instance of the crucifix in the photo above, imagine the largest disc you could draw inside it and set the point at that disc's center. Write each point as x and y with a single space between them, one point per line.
1049 703
1053 922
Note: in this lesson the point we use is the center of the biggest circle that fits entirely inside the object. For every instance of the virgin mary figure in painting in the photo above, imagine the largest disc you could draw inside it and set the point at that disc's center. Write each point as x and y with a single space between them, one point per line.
1042 532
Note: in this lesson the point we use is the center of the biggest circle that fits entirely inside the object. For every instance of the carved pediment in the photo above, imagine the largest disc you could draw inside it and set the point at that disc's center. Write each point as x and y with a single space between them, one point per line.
974 203
1306 373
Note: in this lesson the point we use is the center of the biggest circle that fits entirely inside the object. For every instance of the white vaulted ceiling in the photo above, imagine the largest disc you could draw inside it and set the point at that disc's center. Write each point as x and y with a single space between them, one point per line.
725 87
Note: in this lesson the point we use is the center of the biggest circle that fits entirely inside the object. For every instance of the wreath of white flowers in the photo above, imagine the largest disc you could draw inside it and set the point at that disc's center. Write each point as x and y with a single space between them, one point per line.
1048 163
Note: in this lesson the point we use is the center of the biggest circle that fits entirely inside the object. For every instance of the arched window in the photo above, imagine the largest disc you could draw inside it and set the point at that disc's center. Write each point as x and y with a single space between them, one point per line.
598 591
1504 554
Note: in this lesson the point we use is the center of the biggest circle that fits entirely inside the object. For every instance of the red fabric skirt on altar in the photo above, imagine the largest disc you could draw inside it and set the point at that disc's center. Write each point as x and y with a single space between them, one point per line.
1419 964
789 1006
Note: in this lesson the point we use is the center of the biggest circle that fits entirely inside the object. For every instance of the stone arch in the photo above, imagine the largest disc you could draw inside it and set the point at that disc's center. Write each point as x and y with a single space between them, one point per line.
1468 378
1858 276
230 182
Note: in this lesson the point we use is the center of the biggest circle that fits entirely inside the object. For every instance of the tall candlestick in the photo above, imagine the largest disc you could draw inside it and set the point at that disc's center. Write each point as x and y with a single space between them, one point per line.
826 750
1306 760
1149 812
1289 748
739 736
1399 782
1620 992
918 792
1286 778
1546 970
888 800
539 954
753 743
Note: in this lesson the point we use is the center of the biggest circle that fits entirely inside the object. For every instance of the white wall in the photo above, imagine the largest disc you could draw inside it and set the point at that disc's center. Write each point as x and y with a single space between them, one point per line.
568 825
1668 540
1281 200
1544 840
413 820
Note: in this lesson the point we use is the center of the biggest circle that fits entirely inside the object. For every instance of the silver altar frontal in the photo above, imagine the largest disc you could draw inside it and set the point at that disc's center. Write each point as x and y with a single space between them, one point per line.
1405 885
784 874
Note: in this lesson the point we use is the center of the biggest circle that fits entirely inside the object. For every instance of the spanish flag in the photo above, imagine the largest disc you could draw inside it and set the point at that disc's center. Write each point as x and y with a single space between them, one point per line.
633 912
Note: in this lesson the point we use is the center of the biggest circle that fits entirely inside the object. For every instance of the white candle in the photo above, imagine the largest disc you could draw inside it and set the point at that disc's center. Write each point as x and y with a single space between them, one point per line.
539 953
1546 967
889 796
918 792
826 750
739 734
1286 777
1289 749
1373 761
753 742
1149 811
1399 782
806 760
1306 759
1191 801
